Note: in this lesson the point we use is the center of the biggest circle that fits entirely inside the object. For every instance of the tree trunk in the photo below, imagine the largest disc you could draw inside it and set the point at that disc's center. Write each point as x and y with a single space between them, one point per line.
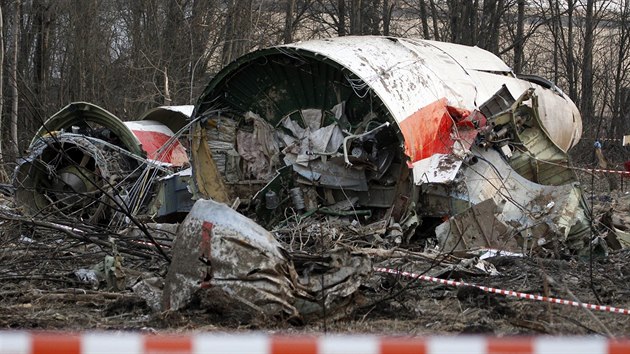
387 16
463 21
571 76
621 95
14 82
424 19
495 28
435 17
556 46
41 60
288 21
355 17
454 9
2 161
586 100
237 35
341 26
519 40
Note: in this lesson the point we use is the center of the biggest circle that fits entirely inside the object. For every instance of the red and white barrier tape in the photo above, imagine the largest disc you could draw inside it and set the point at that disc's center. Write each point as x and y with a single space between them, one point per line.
620 172
591 170
602 139
133 343
505 292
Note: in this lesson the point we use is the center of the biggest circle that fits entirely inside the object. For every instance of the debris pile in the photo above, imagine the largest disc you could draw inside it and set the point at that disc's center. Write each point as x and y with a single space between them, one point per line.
312 164
86 164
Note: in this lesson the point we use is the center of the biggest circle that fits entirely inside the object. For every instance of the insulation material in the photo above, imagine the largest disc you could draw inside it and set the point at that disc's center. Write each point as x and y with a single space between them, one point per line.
221 133
259 148
249 148
310 145
264 134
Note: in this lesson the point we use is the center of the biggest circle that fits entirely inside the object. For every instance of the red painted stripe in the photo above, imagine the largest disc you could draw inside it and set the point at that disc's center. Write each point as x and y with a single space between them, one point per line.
293 345
152 141
403 346
50 343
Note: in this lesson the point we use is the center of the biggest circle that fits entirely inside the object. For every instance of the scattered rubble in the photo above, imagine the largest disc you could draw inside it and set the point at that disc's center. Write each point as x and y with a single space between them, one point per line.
405 154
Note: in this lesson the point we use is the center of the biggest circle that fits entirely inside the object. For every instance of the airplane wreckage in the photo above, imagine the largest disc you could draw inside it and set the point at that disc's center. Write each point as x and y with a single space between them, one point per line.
420 139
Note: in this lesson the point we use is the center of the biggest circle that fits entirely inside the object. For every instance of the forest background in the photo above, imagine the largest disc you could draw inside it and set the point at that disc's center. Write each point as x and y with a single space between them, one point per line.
130 56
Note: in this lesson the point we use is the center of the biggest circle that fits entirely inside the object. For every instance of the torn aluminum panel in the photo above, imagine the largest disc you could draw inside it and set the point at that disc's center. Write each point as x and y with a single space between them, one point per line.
159 142
477 227
225 256
518 181
85 163
218 247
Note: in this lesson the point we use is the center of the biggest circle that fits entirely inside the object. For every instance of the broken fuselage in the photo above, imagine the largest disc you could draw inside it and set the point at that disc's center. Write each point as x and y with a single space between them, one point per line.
386 127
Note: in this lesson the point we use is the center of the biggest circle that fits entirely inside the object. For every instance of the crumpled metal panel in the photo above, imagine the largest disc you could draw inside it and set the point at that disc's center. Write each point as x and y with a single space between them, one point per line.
39 193
547 211
558 114
216 246
390 81
83 152
404 79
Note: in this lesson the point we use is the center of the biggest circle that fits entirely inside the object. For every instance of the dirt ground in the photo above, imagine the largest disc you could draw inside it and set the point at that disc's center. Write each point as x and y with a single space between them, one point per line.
39 290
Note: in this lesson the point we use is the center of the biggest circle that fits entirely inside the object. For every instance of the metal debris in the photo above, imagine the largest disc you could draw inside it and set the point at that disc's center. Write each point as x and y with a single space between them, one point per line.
85 163
345 149
218 247
404 129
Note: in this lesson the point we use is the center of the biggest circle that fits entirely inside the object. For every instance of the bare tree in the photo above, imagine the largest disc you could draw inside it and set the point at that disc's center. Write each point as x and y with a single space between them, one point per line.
288 21
586 99
13 127
519 40
435 19
621 86
341 28
3 173
355 16
388 8
237 30
424 19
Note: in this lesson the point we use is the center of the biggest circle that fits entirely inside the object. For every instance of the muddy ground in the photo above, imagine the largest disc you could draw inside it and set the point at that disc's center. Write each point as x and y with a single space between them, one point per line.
39 290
